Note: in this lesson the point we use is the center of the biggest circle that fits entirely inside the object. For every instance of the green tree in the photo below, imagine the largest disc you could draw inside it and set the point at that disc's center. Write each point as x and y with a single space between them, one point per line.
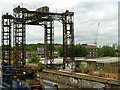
39 67
107 51
80 51
60 50
33 47
82 67
90 67
34 58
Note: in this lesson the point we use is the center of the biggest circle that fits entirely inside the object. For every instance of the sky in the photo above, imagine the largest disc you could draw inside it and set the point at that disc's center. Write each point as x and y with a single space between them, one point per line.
87 14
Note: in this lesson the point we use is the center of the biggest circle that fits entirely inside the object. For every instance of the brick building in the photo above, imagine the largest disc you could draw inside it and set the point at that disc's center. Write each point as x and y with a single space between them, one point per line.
93 50
57 46
40 53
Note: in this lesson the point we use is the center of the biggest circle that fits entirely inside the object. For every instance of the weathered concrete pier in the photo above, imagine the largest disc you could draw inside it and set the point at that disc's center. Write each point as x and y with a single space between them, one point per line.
77 80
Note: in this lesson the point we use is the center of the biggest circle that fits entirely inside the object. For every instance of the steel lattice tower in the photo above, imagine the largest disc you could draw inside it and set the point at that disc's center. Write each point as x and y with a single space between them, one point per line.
19 41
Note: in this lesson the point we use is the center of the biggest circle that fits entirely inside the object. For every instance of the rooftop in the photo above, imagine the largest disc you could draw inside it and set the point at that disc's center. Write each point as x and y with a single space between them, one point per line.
98 60
89 46
102 59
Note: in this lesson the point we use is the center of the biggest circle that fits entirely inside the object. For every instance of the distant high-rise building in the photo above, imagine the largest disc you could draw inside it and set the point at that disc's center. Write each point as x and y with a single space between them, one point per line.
115 46
99 46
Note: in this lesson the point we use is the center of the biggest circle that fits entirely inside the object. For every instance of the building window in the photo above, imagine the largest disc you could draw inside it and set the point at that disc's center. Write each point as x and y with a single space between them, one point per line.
115 64
99 64
96 53
90 55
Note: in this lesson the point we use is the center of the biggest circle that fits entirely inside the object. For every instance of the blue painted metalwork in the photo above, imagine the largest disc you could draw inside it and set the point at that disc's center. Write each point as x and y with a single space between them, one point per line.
119 71
8 72
5 85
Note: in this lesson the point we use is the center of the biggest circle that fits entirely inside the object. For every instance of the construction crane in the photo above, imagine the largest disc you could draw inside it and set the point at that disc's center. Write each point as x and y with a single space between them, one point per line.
95 41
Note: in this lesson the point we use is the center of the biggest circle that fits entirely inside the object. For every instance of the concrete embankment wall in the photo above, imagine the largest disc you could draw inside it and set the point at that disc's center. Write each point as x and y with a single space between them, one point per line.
66 79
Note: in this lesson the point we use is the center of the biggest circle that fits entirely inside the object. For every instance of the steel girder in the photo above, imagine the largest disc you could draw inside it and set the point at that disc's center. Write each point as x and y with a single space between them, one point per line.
68 39
6 48
49 41
23 17
19 42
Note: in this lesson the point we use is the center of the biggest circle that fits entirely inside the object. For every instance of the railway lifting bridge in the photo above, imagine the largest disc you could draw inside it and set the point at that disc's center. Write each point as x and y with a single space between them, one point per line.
22 17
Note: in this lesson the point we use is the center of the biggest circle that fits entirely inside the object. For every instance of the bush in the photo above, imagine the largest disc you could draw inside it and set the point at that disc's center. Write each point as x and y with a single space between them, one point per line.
82 68
34 58
39 67
90 68
101 74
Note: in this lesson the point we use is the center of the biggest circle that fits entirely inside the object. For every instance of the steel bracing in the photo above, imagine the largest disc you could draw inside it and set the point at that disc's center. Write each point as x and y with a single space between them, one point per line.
49 41
19 41
68 38
6 48
22 17
6 38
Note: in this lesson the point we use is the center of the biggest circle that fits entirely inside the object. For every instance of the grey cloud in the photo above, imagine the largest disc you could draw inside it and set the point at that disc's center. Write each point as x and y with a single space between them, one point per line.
85 21
87 24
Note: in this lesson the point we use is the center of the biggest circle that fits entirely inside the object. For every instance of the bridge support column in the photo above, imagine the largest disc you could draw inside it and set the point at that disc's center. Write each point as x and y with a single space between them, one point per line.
19 41
6 47
68 39
49 42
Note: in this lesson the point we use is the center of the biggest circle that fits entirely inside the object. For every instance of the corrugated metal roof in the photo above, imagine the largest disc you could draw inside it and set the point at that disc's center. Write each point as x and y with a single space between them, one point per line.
98 60
102 59
108 60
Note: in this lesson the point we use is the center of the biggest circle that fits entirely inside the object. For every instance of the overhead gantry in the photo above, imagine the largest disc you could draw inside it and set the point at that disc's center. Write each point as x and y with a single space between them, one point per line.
22 17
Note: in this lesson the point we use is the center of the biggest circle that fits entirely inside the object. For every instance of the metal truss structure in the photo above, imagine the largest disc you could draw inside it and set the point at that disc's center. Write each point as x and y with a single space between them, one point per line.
49 40
19 41
22 17
6 38
6 48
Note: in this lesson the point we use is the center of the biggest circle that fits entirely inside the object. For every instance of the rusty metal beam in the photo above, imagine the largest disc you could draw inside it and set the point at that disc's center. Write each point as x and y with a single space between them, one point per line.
49 42
23 17
19 42
6 38
6 47
68 39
